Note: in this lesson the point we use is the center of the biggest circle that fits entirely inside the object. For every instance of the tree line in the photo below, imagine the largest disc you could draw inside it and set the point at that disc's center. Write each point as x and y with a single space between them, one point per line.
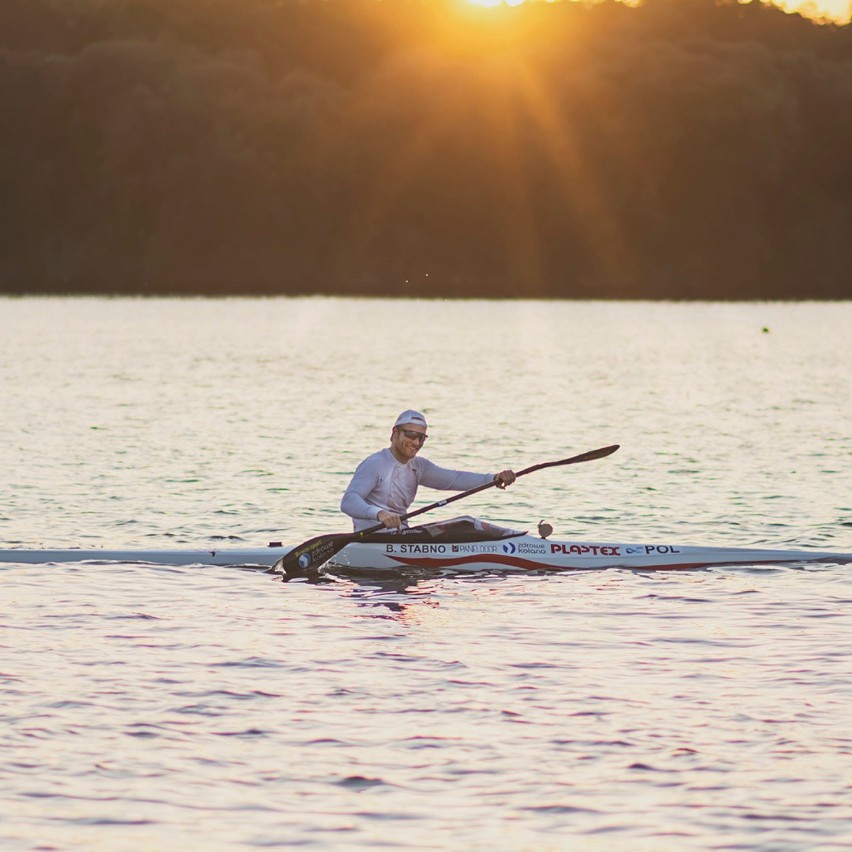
677 149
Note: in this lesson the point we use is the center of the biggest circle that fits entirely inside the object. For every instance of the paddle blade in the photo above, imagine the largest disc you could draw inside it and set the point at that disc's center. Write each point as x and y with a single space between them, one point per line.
583 457
596 454
312 554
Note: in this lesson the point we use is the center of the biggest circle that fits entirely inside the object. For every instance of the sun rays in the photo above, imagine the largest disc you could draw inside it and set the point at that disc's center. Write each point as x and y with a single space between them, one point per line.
493 116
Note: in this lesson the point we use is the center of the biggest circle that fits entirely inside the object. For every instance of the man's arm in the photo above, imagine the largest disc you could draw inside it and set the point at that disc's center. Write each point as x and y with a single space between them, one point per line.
354 502
444 479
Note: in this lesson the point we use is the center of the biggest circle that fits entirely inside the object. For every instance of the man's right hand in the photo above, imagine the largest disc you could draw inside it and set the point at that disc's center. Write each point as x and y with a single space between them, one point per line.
390 519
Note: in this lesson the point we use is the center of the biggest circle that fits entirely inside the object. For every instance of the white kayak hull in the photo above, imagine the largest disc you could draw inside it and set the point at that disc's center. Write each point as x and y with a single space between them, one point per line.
518 552
250 556
529 553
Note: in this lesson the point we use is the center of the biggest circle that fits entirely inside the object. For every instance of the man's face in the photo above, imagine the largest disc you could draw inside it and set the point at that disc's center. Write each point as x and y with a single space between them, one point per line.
406 440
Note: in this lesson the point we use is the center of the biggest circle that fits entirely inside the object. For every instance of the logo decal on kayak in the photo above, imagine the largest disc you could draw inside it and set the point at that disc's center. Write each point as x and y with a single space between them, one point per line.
509 547
537 547
415 548
586 549
647 549
474 548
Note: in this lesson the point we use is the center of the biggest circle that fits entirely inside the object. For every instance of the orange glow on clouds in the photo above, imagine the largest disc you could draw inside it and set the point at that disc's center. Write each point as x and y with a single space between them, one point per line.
838 11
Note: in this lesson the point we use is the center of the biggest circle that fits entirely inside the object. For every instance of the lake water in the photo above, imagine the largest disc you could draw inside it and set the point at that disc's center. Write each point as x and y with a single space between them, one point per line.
173 708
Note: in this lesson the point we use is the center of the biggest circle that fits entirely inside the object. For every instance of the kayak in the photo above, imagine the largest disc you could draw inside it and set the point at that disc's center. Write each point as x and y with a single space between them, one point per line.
459 544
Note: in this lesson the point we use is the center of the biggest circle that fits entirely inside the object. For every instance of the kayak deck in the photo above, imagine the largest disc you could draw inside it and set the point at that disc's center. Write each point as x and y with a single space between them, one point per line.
261 556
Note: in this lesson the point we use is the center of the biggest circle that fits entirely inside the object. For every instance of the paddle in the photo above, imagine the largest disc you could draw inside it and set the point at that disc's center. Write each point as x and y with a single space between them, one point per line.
316 551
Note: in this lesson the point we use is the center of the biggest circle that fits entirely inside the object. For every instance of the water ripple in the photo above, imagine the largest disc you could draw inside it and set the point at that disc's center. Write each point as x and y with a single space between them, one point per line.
164 708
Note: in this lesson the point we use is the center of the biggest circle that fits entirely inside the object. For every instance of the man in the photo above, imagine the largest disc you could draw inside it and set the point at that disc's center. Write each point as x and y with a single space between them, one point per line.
385 483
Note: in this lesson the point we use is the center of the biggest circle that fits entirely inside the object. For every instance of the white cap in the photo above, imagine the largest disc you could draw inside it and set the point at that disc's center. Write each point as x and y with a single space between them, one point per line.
410 416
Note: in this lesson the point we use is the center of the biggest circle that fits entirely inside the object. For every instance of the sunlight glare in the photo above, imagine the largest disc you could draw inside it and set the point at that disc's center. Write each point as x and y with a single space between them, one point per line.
837 11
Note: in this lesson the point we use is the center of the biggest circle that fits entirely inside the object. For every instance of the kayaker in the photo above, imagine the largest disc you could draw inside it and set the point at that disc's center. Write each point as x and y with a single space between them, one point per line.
385 484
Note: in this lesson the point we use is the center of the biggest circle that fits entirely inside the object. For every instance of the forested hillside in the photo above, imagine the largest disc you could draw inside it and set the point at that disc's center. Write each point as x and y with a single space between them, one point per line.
680 149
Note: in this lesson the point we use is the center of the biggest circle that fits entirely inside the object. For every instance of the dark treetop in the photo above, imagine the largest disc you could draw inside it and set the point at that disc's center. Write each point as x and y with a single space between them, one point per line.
679 149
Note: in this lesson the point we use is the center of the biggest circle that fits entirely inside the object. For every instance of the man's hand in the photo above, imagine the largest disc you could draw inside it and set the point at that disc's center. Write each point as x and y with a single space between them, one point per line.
504 478
391 520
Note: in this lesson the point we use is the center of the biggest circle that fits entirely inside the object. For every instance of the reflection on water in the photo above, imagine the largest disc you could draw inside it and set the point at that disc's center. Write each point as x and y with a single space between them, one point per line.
402 597
402 592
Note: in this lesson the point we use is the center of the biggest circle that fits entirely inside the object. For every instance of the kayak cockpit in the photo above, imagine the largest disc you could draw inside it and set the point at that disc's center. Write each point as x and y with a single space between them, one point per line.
464 528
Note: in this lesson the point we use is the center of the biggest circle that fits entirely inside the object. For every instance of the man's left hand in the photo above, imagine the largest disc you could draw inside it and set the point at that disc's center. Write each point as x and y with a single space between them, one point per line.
504 478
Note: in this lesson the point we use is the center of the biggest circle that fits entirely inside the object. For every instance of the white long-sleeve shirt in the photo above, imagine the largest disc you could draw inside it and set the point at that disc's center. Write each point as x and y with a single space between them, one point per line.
381 482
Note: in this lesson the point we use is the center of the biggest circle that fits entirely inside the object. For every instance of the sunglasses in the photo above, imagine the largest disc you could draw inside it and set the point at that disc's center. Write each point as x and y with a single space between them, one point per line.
414 436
